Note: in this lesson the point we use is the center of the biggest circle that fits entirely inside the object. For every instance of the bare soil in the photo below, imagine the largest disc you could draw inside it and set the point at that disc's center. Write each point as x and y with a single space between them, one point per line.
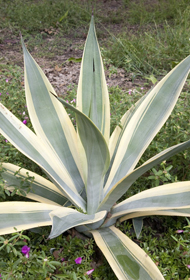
64 74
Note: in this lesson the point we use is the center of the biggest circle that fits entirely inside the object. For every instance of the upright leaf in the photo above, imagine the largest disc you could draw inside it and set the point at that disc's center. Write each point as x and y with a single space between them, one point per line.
92 94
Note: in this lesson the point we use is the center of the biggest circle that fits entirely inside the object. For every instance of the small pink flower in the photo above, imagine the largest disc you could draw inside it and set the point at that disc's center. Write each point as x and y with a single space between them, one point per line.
73 100
7 80
0 93
67 101
6 140
25 250
130 92
24 121
179 231
7 93
62 259
78 260
142 88
188 265
89 272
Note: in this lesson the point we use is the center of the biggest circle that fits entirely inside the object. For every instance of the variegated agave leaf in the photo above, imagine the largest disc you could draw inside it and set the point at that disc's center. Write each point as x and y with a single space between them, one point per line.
87 169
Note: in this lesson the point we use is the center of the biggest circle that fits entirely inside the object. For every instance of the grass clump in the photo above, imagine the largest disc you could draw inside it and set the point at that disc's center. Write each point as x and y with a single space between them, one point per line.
156 37
145 11
55 259
40 15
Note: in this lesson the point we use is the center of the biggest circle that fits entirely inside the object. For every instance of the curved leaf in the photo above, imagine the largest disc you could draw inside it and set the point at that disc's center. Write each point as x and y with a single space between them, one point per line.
24 215
181 211
97 155
166 197
65 218
147 121
124 184
33 147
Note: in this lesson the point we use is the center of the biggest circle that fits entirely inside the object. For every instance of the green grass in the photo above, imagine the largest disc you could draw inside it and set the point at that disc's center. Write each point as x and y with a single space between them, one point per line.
155 39
144 11
153 36
54 259
45 15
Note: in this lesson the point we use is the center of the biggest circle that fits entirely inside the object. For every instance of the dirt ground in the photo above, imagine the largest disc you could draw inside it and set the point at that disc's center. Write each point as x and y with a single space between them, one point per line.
62 77
64 74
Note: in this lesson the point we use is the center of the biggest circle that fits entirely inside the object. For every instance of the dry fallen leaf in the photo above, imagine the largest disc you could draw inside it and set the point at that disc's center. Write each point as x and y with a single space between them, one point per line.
57 253
57 68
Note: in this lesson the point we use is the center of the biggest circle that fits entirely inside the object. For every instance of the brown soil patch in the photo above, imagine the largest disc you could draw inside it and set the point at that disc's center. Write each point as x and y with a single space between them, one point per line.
63 74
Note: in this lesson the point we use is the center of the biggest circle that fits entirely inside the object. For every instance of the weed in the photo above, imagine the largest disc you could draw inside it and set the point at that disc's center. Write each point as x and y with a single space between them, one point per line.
144 11
156 47
43 15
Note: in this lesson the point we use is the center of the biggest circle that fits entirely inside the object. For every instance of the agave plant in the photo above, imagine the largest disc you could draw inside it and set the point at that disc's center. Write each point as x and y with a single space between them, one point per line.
88 170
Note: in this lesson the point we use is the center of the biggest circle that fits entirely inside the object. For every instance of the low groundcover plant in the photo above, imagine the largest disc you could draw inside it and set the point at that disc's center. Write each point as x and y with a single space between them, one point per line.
89 171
